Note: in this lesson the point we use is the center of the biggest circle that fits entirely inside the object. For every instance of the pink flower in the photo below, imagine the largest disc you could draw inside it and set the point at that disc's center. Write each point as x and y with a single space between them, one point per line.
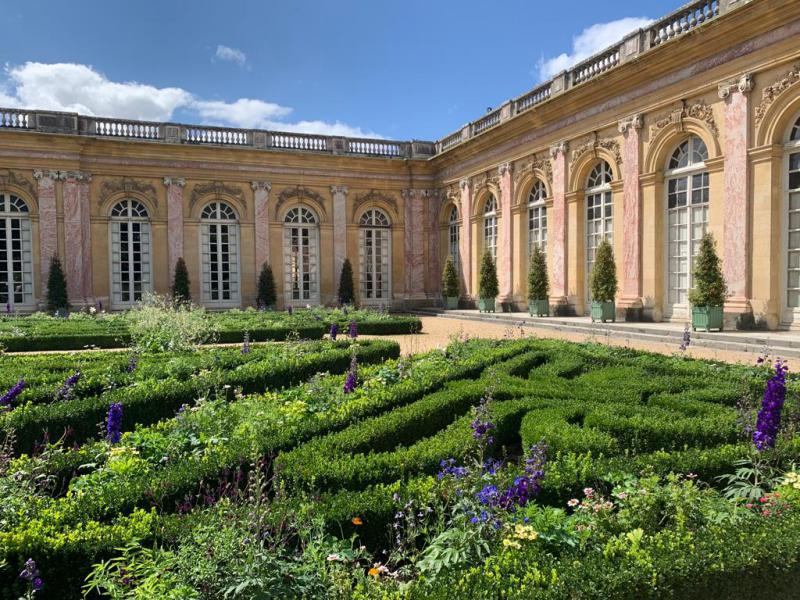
574 502
588 492
622 495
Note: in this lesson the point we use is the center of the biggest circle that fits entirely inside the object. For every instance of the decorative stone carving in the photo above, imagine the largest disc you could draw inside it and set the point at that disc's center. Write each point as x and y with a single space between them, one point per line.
744 84
699 110
463 183
505 168
75 175
560 147
11 178
485 179
300 192
217 189
611 145
532 164
178 181
113 186
771 92
634 122
261 185
373 196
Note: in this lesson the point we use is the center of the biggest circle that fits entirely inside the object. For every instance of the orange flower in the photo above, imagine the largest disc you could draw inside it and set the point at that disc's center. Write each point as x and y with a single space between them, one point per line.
357 521
374 572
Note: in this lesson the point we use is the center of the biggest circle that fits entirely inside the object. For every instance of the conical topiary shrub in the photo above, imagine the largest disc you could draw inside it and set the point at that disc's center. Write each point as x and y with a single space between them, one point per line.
450 284
57 299
346 292
266 288
538 284
180 282
488 288
708 294
603 283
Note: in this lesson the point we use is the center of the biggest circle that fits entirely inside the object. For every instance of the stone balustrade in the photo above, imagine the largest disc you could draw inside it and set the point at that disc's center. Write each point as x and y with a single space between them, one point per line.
300 141
596 65
689 17
532 98
487 122
127 129
14 119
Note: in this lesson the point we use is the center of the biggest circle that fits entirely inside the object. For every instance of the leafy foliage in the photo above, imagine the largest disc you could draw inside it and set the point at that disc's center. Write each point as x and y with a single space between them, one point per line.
266 287
56 287
709 283
162 324
346 293
449 279
603 283
487 285
538 281
180 282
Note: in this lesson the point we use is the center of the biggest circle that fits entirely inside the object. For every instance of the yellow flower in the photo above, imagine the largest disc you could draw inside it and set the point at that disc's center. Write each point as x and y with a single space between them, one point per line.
374 572
357 521
525 532
511 544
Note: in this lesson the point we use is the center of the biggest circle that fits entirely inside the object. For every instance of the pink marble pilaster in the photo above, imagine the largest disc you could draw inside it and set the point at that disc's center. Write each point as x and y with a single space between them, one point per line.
735 232
504 258
339 193
433 269
175 187
261 191
77 236
558 237
414 242
466 237
632 214
48 227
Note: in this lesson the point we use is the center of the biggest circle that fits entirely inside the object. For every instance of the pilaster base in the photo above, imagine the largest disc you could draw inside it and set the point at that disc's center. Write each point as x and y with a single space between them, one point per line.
630 308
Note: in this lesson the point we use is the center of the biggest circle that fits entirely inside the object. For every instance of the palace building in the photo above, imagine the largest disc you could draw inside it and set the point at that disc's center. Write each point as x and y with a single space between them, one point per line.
688 126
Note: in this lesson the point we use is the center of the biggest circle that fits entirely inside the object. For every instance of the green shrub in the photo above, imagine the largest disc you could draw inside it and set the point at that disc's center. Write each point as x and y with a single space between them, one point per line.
180 282
709 283
266 287
449 279
538 281
346 293
487 285
160 324
57 299
603 282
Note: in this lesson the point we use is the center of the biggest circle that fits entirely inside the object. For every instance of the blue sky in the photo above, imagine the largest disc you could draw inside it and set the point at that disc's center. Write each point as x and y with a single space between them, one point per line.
411 69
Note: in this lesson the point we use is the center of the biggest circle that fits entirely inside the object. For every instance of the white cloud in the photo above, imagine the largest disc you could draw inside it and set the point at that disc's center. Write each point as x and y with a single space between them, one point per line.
229 54
590 41
79 88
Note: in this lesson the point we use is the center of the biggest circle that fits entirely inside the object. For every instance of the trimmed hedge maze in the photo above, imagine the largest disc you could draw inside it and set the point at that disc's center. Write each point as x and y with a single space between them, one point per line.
606 414
40 332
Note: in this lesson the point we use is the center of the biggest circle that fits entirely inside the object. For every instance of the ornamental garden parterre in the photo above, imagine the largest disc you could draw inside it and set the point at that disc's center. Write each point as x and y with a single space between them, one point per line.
514 468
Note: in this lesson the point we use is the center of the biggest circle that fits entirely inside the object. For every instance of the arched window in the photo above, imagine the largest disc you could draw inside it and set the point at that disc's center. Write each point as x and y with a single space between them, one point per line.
792 178
219 255
537 217
599 213
490 226
16 257
453 236
300 256
687 219
375 256
130 252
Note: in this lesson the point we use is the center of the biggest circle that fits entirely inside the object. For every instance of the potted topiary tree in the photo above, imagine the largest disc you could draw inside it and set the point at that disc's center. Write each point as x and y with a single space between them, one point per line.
488 288
538 284
180 283
450 284
346 294
708 295
57 299
603 284
266 288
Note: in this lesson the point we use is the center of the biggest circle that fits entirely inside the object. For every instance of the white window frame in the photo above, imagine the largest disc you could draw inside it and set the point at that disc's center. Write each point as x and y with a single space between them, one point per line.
303 220
214 224
597 192
490 226
789 315
22 286
680 310
537 217
375 223
454 238
115 226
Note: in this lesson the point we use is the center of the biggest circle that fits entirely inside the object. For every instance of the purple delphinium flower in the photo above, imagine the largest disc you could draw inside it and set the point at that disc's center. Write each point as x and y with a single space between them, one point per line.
769 416
482 427
11 395
31 574
527 486
246 343
290 310
65 392
351 381
133 362
449 467
334 331
114 423
687 338
99 306
352 330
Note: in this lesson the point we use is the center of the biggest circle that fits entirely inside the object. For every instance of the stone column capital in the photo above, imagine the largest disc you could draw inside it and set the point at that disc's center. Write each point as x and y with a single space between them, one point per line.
339 189
464 183
634 122
178 181
561 147
261 185
743 84
40 174
504 168
75 175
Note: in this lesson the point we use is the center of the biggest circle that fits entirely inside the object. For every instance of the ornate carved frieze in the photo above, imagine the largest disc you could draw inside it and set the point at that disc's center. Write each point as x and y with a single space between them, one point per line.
699 110
75 175
534 163
216 189
744 84
125 184
301 193
20 181
771 92
485 179
373 196
634 122
592 145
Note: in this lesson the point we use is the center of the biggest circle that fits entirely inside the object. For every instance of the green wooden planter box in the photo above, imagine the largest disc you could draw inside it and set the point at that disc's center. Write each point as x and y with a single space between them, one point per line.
486 304
707 317
540 308
604 311
451 302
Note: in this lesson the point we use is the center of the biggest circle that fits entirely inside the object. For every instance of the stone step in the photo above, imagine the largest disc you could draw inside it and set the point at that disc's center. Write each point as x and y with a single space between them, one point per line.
744 341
